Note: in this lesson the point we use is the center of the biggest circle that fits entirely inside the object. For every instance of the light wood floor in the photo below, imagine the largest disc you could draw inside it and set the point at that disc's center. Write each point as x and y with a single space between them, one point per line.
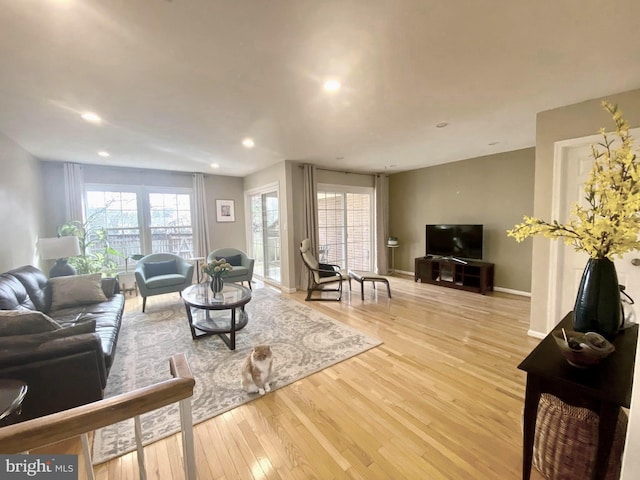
440 399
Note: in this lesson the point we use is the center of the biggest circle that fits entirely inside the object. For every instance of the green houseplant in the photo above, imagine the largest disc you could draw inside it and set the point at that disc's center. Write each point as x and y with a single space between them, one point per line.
606 226
90 236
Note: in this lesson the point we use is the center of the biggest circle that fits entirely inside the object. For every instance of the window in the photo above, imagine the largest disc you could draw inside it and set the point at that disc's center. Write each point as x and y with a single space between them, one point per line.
170 223
141 220
345 226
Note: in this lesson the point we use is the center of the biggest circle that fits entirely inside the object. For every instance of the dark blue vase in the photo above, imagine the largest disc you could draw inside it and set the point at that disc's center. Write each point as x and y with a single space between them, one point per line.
597 307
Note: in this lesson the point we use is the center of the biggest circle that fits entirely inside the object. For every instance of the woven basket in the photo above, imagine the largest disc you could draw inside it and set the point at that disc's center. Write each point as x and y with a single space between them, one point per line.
566 441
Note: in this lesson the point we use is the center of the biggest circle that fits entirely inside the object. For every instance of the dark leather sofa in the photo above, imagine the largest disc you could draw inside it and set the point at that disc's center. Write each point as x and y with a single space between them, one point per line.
65 367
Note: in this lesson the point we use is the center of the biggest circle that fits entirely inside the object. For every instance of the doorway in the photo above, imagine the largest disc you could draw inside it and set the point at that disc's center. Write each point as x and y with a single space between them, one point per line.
572 165
265 233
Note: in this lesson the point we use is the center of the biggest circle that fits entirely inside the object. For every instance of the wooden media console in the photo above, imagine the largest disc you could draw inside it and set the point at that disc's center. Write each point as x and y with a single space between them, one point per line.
474 276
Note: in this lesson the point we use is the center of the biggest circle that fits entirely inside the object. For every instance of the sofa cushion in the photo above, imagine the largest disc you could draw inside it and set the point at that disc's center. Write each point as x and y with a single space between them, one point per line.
76 290
154 269
13 295
35 283
25 322
233 260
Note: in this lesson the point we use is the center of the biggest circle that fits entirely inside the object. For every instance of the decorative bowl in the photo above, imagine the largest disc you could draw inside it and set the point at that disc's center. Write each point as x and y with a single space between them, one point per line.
583 350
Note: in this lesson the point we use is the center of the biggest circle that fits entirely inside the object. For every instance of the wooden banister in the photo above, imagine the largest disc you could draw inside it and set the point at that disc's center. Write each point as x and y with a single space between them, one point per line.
70 423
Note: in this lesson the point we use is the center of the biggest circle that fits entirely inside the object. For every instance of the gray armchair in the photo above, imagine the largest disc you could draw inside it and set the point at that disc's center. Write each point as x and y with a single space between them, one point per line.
242 265
162 273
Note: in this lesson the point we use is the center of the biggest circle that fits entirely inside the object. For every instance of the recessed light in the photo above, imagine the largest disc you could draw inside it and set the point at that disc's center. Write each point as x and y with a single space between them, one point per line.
248 142
215 165
332 85
104 154
91 117
441 124
493 143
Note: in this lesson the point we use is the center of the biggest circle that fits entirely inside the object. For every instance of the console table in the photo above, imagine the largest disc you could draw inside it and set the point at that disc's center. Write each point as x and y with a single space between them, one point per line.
473 276
603 388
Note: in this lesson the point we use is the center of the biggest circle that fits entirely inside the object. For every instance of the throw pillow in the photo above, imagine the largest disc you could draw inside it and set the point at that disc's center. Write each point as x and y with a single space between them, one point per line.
154 269
326 270
25 322
233 260
76 290
40 338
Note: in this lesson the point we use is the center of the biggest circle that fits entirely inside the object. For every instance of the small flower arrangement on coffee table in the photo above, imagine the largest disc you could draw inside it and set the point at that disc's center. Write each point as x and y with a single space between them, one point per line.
217 268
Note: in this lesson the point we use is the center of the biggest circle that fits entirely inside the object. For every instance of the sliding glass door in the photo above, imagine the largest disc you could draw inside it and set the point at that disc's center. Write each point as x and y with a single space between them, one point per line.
265 233
346 226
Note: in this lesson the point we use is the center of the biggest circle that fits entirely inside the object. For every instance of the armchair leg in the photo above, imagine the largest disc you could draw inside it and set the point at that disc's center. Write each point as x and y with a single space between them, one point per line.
144 303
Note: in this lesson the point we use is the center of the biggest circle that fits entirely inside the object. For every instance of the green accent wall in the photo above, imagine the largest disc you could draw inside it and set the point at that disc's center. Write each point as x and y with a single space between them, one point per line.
494 190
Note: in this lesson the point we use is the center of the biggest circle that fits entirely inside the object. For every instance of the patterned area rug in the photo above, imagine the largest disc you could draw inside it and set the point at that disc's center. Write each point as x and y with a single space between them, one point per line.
303 342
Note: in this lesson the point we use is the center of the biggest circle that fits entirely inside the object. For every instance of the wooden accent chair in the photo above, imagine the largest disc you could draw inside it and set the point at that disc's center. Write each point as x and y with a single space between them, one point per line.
321 276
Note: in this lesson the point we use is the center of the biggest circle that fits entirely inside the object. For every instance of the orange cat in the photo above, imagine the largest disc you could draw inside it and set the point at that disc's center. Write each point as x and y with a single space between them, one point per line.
256 373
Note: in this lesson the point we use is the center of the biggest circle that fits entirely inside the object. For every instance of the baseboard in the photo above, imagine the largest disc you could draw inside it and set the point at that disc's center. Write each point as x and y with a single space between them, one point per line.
513 292
535 334
402 272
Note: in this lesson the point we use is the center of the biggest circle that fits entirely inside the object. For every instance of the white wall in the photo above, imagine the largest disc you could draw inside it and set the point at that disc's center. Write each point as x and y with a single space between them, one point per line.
20 206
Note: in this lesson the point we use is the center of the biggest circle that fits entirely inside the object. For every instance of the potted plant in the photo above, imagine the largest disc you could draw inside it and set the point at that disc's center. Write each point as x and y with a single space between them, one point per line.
607 226
90 236
217 269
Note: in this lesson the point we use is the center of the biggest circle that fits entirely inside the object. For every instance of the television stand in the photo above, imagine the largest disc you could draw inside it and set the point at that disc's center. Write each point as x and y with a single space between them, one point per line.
473 276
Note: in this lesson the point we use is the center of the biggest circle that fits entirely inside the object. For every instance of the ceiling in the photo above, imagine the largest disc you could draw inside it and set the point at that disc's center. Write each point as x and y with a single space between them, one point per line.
180 83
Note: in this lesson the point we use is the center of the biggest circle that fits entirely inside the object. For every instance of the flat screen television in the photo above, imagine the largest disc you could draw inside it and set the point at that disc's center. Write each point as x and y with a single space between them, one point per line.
459 241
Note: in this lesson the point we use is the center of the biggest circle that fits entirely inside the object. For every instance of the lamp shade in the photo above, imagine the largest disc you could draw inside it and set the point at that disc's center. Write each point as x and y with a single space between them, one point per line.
58 247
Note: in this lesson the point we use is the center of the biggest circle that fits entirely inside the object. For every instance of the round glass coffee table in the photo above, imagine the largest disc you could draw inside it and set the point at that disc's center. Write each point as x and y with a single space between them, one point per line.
222 314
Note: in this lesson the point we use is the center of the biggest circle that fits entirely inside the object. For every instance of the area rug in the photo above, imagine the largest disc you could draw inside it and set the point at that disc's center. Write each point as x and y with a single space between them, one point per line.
303 342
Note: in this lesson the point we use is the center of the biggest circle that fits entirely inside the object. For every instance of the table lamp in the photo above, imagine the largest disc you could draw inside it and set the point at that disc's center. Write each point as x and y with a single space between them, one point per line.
59 248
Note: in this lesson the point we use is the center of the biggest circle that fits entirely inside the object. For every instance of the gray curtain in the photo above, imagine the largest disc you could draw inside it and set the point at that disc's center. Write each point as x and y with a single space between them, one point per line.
382 223
200 217
73 191
310 226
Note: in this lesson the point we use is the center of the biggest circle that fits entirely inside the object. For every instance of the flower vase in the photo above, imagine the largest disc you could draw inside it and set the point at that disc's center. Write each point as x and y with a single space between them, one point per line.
217 284
597 307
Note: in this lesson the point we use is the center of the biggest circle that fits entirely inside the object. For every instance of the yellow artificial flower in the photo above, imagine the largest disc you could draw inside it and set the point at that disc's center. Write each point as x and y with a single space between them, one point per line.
610 223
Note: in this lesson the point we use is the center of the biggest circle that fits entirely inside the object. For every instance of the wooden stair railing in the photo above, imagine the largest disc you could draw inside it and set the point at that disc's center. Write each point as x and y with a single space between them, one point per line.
77 421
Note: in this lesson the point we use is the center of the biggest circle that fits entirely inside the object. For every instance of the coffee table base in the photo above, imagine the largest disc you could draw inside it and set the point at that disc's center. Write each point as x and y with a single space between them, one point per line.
205 327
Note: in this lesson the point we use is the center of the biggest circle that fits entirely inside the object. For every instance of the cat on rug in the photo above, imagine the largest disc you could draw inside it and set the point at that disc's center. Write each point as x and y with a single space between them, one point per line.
256 372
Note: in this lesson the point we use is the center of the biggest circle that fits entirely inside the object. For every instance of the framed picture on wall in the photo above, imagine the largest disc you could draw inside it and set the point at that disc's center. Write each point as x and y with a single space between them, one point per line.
225 211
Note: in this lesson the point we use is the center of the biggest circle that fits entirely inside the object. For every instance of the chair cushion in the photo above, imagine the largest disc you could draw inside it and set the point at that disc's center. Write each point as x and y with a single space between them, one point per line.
237 272
233 260
154 269
161 281
76 290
